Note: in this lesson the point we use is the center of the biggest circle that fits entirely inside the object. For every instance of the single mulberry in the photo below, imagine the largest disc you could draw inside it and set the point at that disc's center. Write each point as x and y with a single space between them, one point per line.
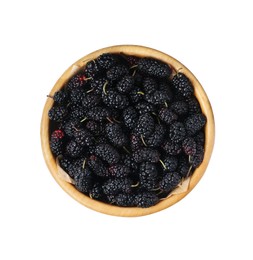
167 115
182 85
136 95
154 68
193 105
157 137
116 72
172 148
107 153
97 84
124 200
145 125
198 157
94 127
76 112
60 96
57 113
177 132
96 192
92 69
84 137
56 142
158 97
116 186
115 99
130 117
115 134
56 146
97 166
145 199
71 126
135 142
149 85
76 95
98 113
78 80
126 84
90 100
189 146
195 123
84 181
65 162
169 181
171 163
148 175
146 155
179 107
74 149
119 171
144 107
107 60
184 167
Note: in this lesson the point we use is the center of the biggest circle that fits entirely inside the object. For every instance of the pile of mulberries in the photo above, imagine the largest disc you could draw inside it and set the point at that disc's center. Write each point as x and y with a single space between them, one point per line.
128 130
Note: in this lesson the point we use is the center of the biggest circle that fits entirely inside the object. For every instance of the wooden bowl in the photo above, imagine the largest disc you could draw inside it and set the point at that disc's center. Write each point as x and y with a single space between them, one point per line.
132 211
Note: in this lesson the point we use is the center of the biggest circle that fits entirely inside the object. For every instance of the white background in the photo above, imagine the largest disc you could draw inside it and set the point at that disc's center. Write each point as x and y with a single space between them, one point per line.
39 40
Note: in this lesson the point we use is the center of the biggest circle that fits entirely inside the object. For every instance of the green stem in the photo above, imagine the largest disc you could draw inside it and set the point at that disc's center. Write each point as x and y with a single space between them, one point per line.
142 139
164 166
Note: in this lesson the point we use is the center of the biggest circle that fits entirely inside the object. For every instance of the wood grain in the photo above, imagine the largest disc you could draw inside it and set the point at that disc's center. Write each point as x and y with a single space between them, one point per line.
110 209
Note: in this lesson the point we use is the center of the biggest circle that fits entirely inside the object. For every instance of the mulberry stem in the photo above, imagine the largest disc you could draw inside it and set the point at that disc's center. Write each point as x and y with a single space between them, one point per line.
135 185
83 119
84 161
104 86
109 120
189 171
142 139
126 149
90 90
164 166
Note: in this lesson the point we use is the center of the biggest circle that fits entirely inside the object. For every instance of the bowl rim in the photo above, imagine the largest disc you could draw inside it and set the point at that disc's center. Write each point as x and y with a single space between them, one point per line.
141 51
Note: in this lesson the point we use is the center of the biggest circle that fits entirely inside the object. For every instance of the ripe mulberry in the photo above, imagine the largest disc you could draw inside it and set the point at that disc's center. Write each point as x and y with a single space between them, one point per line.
107 153
145 125
115 134
182 85
115 99
154 68
130 117
146 155
116 186
148 175
145 199
169 181
57 114
195 123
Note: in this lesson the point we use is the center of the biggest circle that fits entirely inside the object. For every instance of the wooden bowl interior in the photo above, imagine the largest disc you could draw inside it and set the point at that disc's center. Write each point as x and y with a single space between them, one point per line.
132 211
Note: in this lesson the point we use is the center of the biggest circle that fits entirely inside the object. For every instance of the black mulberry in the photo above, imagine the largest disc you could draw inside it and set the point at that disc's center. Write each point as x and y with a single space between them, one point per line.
177 132
107 153
154 68
116 186
182 85
57 114
145 125
146 155
115 99
195 123
145 199
169 181
115 134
